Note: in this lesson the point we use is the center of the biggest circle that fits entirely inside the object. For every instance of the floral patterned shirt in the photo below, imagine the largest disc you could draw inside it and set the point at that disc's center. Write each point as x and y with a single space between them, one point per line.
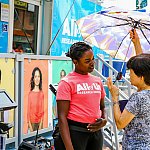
137 132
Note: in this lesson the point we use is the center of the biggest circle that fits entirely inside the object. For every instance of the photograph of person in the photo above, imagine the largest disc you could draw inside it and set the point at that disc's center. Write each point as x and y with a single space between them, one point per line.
36 80
35 113
54 106
64 68
62 73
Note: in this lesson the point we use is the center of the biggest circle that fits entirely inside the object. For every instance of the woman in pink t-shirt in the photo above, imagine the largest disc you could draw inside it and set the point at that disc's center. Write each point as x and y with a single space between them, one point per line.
35 112
80 104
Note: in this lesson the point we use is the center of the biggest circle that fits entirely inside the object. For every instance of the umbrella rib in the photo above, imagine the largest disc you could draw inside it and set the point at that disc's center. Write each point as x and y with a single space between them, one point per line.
116 25
146 24
127 50
143 24
144 35
126 56
105 27
115 17
120 44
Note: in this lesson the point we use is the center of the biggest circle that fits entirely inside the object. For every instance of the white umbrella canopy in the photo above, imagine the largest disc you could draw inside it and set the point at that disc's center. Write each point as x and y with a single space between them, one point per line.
109 31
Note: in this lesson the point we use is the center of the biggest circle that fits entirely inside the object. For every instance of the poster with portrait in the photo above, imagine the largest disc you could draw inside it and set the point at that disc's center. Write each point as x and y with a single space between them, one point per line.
35 95
7 83
63 68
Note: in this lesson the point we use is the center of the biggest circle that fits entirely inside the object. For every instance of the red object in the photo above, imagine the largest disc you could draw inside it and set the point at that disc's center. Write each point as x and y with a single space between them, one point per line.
19 50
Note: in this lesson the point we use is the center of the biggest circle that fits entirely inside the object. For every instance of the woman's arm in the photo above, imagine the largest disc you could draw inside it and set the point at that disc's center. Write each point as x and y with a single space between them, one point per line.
30 126
42 112
102 107
136 42
121 119
41 124
99 122
63 108
28 113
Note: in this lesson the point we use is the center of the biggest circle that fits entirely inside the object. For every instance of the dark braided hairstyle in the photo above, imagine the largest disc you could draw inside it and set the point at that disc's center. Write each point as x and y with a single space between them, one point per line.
77 50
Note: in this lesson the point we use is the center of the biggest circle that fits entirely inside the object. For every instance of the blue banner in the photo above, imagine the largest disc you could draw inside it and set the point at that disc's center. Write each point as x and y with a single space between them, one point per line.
3 31
4 1
64 28
3 37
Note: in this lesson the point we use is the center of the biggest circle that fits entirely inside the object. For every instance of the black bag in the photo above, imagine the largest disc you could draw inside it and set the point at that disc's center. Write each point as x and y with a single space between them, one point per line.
72 127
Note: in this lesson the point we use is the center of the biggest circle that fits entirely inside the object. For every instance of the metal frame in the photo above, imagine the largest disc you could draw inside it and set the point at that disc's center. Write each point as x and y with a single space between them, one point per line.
20 59
19 94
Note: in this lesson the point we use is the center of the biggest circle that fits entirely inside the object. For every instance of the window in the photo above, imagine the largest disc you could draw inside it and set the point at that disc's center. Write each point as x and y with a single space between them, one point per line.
25 27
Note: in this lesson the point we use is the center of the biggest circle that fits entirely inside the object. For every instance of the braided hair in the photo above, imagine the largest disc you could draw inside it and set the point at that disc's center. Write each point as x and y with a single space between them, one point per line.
77 50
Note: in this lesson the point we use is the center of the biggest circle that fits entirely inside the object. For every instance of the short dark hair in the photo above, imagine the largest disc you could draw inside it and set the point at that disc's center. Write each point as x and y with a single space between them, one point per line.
77 49
32 78
140 64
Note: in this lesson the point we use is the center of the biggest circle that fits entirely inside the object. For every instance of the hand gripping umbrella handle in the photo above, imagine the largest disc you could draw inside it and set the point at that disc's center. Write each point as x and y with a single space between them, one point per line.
118 77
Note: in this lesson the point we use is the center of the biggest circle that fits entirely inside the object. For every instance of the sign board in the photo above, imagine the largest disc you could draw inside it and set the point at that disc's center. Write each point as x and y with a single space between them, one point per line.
65 25
21 5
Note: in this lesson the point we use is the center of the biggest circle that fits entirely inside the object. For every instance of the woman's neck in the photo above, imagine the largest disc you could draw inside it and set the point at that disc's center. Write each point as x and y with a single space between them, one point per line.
146 87
36 89
80 72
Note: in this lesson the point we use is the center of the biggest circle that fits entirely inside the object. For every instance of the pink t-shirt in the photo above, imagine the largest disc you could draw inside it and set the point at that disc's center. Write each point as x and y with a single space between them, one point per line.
84 93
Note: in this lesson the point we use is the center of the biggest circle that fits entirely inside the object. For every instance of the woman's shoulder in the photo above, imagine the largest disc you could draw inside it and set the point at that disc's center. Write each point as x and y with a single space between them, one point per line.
95 78
140 95
36 92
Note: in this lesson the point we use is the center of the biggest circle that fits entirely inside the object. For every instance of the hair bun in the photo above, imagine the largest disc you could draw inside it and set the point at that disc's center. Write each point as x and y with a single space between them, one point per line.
67 54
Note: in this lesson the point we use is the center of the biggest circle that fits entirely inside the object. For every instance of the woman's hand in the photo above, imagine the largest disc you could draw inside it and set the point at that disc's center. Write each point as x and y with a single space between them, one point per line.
30 127
134 36
136 41
97 125
113 89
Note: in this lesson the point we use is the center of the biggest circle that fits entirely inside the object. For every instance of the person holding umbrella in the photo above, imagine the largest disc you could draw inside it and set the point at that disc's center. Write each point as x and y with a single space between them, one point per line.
80 104
136 42
135 118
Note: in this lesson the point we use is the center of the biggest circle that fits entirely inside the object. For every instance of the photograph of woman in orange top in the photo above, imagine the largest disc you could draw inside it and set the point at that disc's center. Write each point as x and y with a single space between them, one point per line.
35 114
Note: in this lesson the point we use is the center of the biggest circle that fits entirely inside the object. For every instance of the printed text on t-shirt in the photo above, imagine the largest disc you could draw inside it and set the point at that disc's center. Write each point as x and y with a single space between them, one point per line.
84 88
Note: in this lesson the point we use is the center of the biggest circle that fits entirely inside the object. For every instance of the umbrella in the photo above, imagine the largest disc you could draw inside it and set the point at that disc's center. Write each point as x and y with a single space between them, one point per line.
109 31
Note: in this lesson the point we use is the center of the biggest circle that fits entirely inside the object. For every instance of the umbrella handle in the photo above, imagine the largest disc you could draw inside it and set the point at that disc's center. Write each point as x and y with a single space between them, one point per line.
118 77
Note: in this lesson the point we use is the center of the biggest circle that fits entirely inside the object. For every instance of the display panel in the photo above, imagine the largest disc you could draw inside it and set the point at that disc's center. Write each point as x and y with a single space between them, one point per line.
63 68
7 84
6 103
35 104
